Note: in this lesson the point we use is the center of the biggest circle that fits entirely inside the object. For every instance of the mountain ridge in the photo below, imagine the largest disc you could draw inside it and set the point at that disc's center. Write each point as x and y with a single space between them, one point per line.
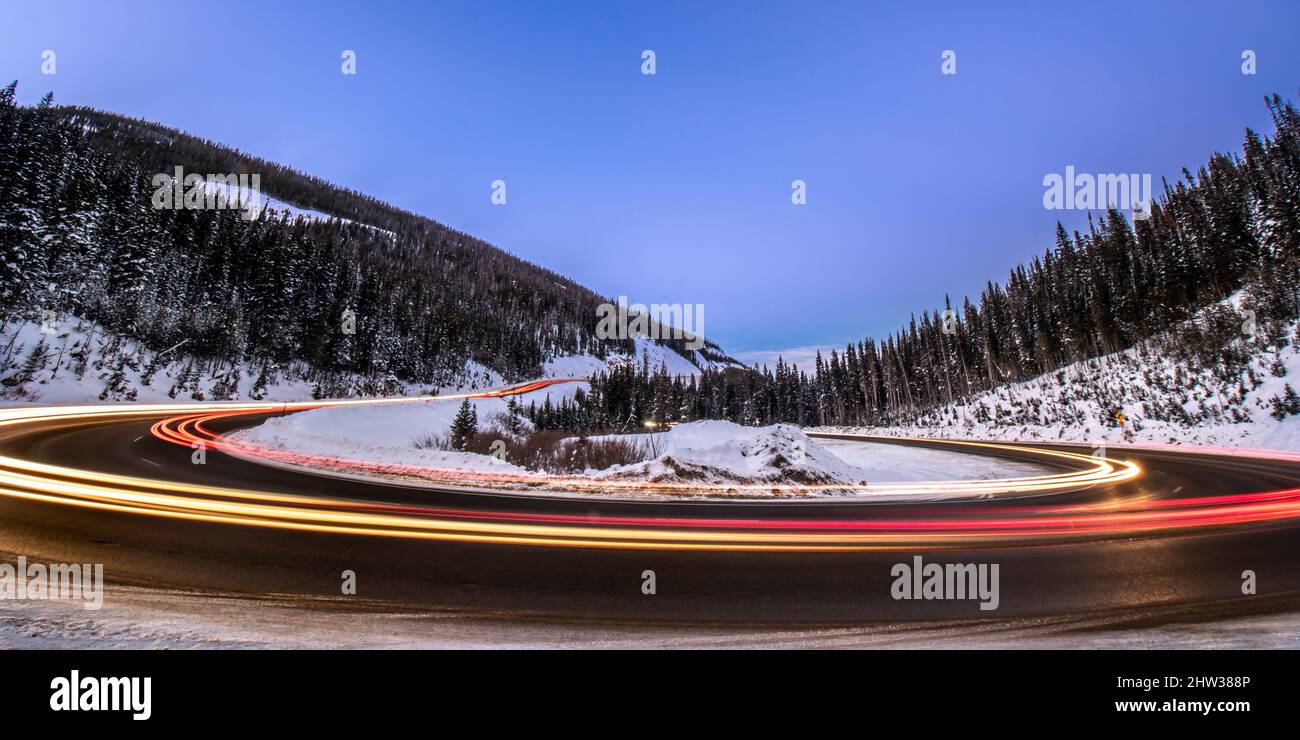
78 238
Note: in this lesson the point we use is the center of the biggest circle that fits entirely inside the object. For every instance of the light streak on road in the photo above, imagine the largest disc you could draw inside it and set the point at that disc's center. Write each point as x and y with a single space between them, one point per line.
189 431
901 527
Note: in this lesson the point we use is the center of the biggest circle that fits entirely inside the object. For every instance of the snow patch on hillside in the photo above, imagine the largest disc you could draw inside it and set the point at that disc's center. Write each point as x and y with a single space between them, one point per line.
655 355
262 205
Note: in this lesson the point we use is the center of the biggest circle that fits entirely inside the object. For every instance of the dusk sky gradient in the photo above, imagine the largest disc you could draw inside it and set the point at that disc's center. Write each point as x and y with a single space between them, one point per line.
676 188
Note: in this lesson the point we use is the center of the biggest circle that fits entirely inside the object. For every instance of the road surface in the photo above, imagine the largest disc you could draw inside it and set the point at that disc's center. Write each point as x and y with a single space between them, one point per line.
1178 536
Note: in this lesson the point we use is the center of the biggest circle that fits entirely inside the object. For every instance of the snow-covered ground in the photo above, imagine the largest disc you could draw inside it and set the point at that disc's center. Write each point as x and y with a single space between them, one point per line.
889 463
722 452
396 434
354 440
141 618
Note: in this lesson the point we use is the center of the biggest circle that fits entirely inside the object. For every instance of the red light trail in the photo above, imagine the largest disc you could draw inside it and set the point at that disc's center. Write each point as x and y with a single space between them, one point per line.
998 518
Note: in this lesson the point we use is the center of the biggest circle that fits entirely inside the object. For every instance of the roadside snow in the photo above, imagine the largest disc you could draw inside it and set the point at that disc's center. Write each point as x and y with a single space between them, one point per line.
144 618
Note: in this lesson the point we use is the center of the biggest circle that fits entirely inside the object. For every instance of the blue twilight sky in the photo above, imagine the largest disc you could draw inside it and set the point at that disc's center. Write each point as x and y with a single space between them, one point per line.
675 188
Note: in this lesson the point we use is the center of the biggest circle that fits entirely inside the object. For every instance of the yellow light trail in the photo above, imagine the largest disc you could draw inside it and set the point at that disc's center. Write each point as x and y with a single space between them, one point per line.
55 484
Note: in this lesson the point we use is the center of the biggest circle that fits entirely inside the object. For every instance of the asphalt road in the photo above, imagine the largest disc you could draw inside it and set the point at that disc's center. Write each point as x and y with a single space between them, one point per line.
1199 568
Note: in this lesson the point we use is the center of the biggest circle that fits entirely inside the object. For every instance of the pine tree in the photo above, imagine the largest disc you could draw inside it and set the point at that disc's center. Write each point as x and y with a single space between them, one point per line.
115 387
36 361
258 391
150 370
513 423
1287 404
464 425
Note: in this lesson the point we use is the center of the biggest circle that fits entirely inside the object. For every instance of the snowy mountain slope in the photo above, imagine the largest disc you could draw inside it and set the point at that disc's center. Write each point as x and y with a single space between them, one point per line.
1230 397
327 278
80 362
